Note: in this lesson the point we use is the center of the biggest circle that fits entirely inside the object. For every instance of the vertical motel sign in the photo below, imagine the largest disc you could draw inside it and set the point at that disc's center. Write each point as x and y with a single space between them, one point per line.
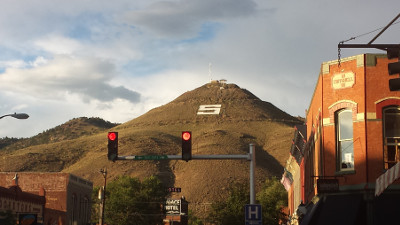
253 214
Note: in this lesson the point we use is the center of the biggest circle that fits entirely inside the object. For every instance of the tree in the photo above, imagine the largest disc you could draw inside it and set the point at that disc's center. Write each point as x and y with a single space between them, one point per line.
132 202
273 198
194 220
231 211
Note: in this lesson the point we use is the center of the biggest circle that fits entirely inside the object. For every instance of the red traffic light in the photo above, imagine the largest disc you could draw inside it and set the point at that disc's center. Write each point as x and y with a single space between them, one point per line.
112 136
112 146
186 135
186 145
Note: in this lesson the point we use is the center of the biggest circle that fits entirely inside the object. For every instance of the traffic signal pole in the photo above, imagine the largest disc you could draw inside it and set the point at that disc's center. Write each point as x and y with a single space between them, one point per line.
179 157
385 47
251 156
393 51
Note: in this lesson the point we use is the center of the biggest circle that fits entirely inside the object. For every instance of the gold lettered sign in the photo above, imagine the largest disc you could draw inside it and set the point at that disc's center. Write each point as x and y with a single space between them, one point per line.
343 80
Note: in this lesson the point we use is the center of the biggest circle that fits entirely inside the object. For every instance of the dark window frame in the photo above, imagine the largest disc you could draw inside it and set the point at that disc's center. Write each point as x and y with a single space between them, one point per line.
391 141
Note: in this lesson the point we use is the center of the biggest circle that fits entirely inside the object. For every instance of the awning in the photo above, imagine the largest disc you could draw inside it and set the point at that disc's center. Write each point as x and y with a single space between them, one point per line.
386 179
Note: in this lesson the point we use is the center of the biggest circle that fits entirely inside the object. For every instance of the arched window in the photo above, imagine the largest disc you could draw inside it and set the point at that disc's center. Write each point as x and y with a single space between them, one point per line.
344 140
391 136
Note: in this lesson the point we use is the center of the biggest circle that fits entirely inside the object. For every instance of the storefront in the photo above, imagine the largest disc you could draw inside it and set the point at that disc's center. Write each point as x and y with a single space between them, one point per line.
353 209
26 207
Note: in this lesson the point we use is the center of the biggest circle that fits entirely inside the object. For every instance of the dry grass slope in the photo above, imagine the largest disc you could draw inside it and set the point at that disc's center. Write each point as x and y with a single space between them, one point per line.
243 119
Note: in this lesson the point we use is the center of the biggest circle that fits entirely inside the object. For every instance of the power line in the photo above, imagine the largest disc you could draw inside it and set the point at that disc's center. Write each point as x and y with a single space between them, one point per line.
360 35
369 45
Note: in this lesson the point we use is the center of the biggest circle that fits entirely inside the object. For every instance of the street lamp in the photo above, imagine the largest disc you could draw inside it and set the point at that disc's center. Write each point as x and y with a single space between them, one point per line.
20 116
103 196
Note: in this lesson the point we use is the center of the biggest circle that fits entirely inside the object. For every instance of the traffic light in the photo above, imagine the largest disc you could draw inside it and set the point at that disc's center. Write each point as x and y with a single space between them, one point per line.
112 146
394 68
186 145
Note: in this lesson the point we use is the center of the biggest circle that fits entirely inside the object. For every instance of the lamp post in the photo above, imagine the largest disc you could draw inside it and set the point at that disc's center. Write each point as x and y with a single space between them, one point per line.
20 116
103 196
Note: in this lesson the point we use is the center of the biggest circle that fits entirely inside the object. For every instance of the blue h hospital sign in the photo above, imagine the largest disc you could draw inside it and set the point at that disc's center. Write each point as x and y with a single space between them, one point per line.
253 214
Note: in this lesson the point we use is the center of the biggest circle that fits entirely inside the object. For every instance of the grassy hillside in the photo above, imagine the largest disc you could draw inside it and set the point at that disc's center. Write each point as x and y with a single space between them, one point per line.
72 129
243 119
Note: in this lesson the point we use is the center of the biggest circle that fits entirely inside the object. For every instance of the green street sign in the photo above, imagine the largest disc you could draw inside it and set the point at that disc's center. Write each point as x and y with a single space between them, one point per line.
151 157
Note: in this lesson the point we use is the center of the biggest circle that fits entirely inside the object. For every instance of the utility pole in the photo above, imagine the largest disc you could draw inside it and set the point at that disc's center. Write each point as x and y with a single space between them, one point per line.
252 153
102 196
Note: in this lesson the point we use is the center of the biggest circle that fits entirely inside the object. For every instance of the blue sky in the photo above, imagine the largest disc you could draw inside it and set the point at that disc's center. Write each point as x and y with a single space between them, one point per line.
118 59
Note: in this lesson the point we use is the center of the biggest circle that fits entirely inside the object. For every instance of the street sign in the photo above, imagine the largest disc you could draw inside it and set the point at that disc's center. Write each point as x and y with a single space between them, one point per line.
253 214
150 157
174 189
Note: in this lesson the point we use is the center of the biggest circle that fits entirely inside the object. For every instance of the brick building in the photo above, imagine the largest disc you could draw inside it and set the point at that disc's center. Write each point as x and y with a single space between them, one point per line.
26 207
352 137
67 197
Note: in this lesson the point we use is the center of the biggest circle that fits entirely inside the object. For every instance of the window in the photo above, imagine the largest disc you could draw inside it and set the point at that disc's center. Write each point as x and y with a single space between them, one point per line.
310 158
391 136
85 210
344 140
74 209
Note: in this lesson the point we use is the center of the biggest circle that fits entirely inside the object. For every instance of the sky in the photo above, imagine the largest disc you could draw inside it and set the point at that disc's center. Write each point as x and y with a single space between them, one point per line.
117 60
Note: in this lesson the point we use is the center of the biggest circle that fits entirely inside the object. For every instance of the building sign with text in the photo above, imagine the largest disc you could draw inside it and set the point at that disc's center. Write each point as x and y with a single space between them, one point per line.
173 206
327 185
343 80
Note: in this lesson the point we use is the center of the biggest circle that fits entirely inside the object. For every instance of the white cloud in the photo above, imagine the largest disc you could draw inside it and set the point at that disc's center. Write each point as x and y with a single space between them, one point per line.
39 61
65 59
65 75
13 64
57 44
183 19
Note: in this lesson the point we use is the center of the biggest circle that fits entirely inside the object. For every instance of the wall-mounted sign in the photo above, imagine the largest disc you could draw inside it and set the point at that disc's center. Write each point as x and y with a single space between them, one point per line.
327 185
209 109
343 80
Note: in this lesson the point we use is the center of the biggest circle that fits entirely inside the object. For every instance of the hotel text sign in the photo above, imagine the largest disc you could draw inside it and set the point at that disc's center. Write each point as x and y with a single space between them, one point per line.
343 80
173 206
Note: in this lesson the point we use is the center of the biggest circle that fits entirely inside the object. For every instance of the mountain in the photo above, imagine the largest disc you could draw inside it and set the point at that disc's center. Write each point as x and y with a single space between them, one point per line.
70 130
242 119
